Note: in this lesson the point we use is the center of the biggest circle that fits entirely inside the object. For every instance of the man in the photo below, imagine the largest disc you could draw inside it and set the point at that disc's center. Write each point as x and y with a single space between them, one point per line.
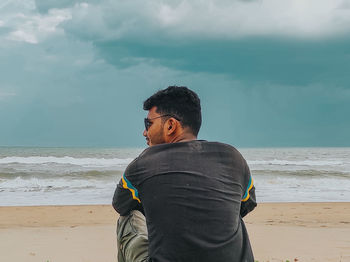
191 194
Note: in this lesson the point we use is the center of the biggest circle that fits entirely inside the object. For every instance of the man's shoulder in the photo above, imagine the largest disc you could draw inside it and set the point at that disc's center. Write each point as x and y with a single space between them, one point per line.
146 156
158 152
230 151
224 146
199 144
221 144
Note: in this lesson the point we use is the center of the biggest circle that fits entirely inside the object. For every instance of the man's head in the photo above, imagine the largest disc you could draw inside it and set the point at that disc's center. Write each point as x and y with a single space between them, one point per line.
174 115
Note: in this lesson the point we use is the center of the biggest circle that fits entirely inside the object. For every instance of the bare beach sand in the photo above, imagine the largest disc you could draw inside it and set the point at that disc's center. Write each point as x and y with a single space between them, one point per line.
278 232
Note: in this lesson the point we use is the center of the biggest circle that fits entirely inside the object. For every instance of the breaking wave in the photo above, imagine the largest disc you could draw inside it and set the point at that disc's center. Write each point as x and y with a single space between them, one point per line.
67 160
298 163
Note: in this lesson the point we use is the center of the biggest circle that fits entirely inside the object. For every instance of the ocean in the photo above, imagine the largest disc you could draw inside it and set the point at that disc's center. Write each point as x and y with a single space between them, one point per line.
75 176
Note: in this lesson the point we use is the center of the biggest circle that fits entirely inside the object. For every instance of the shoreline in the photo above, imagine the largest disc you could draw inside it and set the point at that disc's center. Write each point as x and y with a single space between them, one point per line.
306 231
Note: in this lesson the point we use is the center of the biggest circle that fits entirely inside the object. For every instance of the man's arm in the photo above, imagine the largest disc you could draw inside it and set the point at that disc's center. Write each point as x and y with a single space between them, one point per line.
248 202
126 197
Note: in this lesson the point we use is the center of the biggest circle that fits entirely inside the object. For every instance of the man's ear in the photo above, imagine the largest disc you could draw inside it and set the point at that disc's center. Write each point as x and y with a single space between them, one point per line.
171 126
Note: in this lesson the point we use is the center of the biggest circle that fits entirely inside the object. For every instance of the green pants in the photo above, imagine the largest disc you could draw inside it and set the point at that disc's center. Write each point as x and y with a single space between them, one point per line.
132 238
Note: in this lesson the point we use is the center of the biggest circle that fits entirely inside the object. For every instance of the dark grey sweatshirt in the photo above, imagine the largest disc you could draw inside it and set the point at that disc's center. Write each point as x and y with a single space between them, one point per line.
193 195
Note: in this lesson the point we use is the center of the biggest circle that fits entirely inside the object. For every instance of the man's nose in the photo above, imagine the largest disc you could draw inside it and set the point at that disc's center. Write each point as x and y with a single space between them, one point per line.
144 133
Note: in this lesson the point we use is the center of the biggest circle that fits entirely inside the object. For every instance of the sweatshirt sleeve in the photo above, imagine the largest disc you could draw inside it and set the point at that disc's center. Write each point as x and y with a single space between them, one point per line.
126 197
248 202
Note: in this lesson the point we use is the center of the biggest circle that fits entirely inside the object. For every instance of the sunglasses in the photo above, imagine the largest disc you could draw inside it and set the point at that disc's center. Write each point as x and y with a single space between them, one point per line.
148 122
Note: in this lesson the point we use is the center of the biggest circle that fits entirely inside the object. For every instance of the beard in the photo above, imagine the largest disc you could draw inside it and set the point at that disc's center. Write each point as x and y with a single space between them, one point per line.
157 138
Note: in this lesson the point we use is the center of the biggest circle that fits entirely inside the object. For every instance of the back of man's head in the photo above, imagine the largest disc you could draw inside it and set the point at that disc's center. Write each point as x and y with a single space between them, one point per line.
180 102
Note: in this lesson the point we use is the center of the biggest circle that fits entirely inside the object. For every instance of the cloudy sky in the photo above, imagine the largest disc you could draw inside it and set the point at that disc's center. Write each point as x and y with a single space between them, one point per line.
269 72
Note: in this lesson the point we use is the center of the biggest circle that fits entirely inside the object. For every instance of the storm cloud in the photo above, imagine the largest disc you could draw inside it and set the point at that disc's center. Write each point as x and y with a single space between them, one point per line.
270 73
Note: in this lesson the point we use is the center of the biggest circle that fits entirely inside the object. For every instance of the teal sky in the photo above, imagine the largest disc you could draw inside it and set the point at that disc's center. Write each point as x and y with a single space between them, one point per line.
269 73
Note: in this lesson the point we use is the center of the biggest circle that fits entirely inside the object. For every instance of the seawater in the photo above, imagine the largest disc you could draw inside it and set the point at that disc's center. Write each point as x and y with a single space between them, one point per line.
73 176
300 174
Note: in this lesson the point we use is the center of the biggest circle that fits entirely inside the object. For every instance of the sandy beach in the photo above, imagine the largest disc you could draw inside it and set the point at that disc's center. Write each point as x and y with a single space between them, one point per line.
278 232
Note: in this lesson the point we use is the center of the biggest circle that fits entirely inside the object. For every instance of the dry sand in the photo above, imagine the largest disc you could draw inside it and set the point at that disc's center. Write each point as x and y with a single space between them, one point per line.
278 231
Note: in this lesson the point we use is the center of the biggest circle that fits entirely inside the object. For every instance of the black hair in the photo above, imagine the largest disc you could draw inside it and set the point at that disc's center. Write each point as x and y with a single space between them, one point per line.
180 102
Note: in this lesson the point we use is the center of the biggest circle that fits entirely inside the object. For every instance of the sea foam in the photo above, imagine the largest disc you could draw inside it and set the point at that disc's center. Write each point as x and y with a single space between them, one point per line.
298 163
67 160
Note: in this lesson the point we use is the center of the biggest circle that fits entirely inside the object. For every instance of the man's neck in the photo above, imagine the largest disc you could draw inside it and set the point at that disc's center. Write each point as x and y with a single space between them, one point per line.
183 138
